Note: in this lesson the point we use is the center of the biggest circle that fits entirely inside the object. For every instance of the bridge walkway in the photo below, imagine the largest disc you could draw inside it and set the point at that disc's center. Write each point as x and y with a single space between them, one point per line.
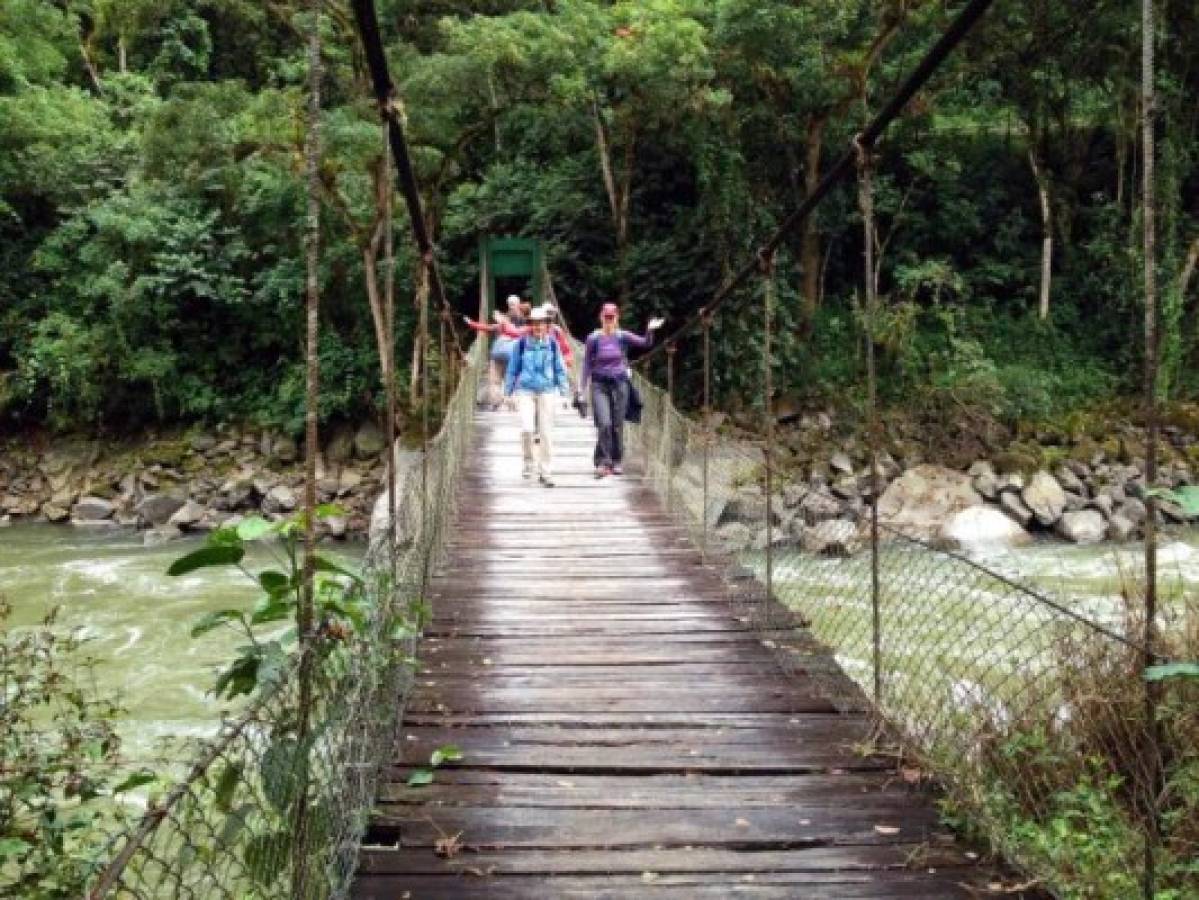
623 732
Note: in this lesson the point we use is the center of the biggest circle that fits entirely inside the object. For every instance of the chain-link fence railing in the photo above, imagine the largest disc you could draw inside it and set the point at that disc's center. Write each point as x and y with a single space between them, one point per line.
228 828
1027 712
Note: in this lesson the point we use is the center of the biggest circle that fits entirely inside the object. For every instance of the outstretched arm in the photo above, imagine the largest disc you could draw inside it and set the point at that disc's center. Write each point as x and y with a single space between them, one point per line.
479 326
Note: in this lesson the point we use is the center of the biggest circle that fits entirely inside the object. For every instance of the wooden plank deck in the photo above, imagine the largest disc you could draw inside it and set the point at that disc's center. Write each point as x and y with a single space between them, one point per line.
624 734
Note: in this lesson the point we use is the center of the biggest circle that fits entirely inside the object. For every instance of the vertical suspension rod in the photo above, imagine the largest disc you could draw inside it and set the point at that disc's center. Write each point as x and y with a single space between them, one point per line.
1149 221
869 314
766 261
707 438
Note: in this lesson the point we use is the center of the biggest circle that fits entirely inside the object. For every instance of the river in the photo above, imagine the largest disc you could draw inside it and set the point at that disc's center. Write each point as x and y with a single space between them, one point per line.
136 618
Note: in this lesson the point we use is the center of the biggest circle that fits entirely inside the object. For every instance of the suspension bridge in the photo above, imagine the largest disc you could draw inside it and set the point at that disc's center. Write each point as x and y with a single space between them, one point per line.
578 692
622 727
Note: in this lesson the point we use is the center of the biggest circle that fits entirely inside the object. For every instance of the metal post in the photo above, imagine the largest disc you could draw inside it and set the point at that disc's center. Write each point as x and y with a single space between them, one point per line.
869 315
423 357
668 427
389 376
707 430
766 261
1152 696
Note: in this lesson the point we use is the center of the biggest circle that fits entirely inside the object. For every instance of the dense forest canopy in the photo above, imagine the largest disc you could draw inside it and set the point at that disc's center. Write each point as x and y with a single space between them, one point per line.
151 192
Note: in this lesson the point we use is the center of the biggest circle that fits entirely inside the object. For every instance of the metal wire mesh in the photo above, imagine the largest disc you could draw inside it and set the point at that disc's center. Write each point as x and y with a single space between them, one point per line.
227 828
1029 715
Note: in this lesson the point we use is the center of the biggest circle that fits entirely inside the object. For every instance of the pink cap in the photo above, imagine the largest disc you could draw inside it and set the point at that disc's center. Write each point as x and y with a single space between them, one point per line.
609 311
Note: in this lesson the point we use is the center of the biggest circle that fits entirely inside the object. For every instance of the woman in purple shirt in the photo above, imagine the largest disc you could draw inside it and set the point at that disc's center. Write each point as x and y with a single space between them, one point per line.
606 370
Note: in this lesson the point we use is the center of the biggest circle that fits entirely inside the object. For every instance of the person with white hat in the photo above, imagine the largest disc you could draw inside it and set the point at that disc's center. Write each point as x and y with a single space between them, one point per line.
536 373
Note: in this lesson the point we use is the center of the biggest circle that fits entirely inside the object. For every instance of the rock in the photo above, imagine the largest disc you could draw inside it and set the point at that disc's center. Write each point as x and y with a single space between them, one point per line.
92 509
984 479
734 537
160 534
285 450
983 526
840 462
279 499
747 507
921 500
817 507
1045 497
406 462
341 445
369 441
793 495
1080 469
1015 508
350 480
202 443
1075 502
187 515
1084 527
55 513
846 488
336 526
1010 481
1120 528
157 509
1069 481
1134 510
5 520
1104 503
835 537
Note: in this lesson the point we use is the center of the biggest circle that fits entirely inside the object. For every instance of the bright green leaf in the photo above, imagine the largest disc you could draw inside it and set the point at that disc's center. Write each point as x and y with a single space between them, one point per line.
1172 670
444 754
207 557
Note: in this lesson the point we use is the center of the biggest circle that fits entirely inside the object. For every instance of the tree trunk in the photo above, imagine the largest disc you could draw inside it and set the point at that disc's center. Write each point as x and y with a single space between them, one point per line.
1188 270
1042 180
618 192
122 57
809 259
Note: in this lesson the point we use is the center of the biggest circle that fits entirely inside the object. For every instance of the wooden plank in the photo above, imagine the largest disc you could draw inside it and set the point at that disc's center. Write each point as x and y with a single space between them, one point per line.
692 790
816 861
492 828
767 886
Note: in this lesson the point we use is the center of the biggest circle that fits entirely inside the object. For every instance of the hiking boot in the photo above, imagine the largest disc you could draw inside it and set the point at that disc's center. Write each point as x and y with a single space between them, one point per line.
547 481
527 472
617 470
602 471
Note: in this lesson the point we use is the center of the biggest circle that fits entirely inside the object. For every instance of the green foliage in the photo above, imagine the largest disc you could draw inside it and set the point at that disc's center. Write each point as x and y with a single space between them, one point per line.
339 596
62 779
438 758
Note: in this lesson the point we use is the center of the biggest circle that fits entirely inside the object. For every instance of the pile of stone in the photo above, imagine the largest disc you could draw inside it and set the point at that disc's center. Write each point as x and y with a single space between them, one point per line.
196 482
829 513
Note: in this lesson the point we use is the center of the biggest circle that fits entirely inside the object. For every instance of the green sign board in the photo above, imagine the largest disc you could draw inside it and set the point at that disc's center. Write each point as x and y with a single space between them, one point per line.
509 258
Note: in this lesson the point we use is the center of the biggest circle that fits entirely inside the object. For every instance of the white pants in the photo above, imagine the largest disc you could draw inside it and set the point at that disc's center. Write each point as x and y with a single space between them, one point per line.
536 419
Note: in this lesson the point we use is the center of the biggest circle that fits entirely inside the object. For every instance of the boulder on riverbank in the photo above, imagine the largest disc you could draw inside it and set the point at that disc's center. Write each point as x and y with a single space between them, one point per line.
983 526
922 499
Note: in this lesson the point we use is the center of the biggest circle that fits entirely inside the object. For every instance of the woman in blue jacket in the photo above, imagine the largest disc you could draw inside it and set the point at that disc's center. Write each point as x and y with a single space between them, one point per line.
535 374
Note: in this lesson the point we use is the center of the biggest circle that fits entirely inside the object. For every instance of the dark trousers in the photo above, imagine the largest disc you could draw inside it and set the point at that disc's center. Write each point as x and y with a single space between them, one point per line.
609 401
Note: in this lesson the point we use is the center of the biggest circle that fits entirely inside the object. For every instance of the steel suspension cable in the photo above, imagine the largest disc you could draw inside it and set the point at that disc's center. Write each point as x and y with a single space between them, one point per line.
952 36
376 59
